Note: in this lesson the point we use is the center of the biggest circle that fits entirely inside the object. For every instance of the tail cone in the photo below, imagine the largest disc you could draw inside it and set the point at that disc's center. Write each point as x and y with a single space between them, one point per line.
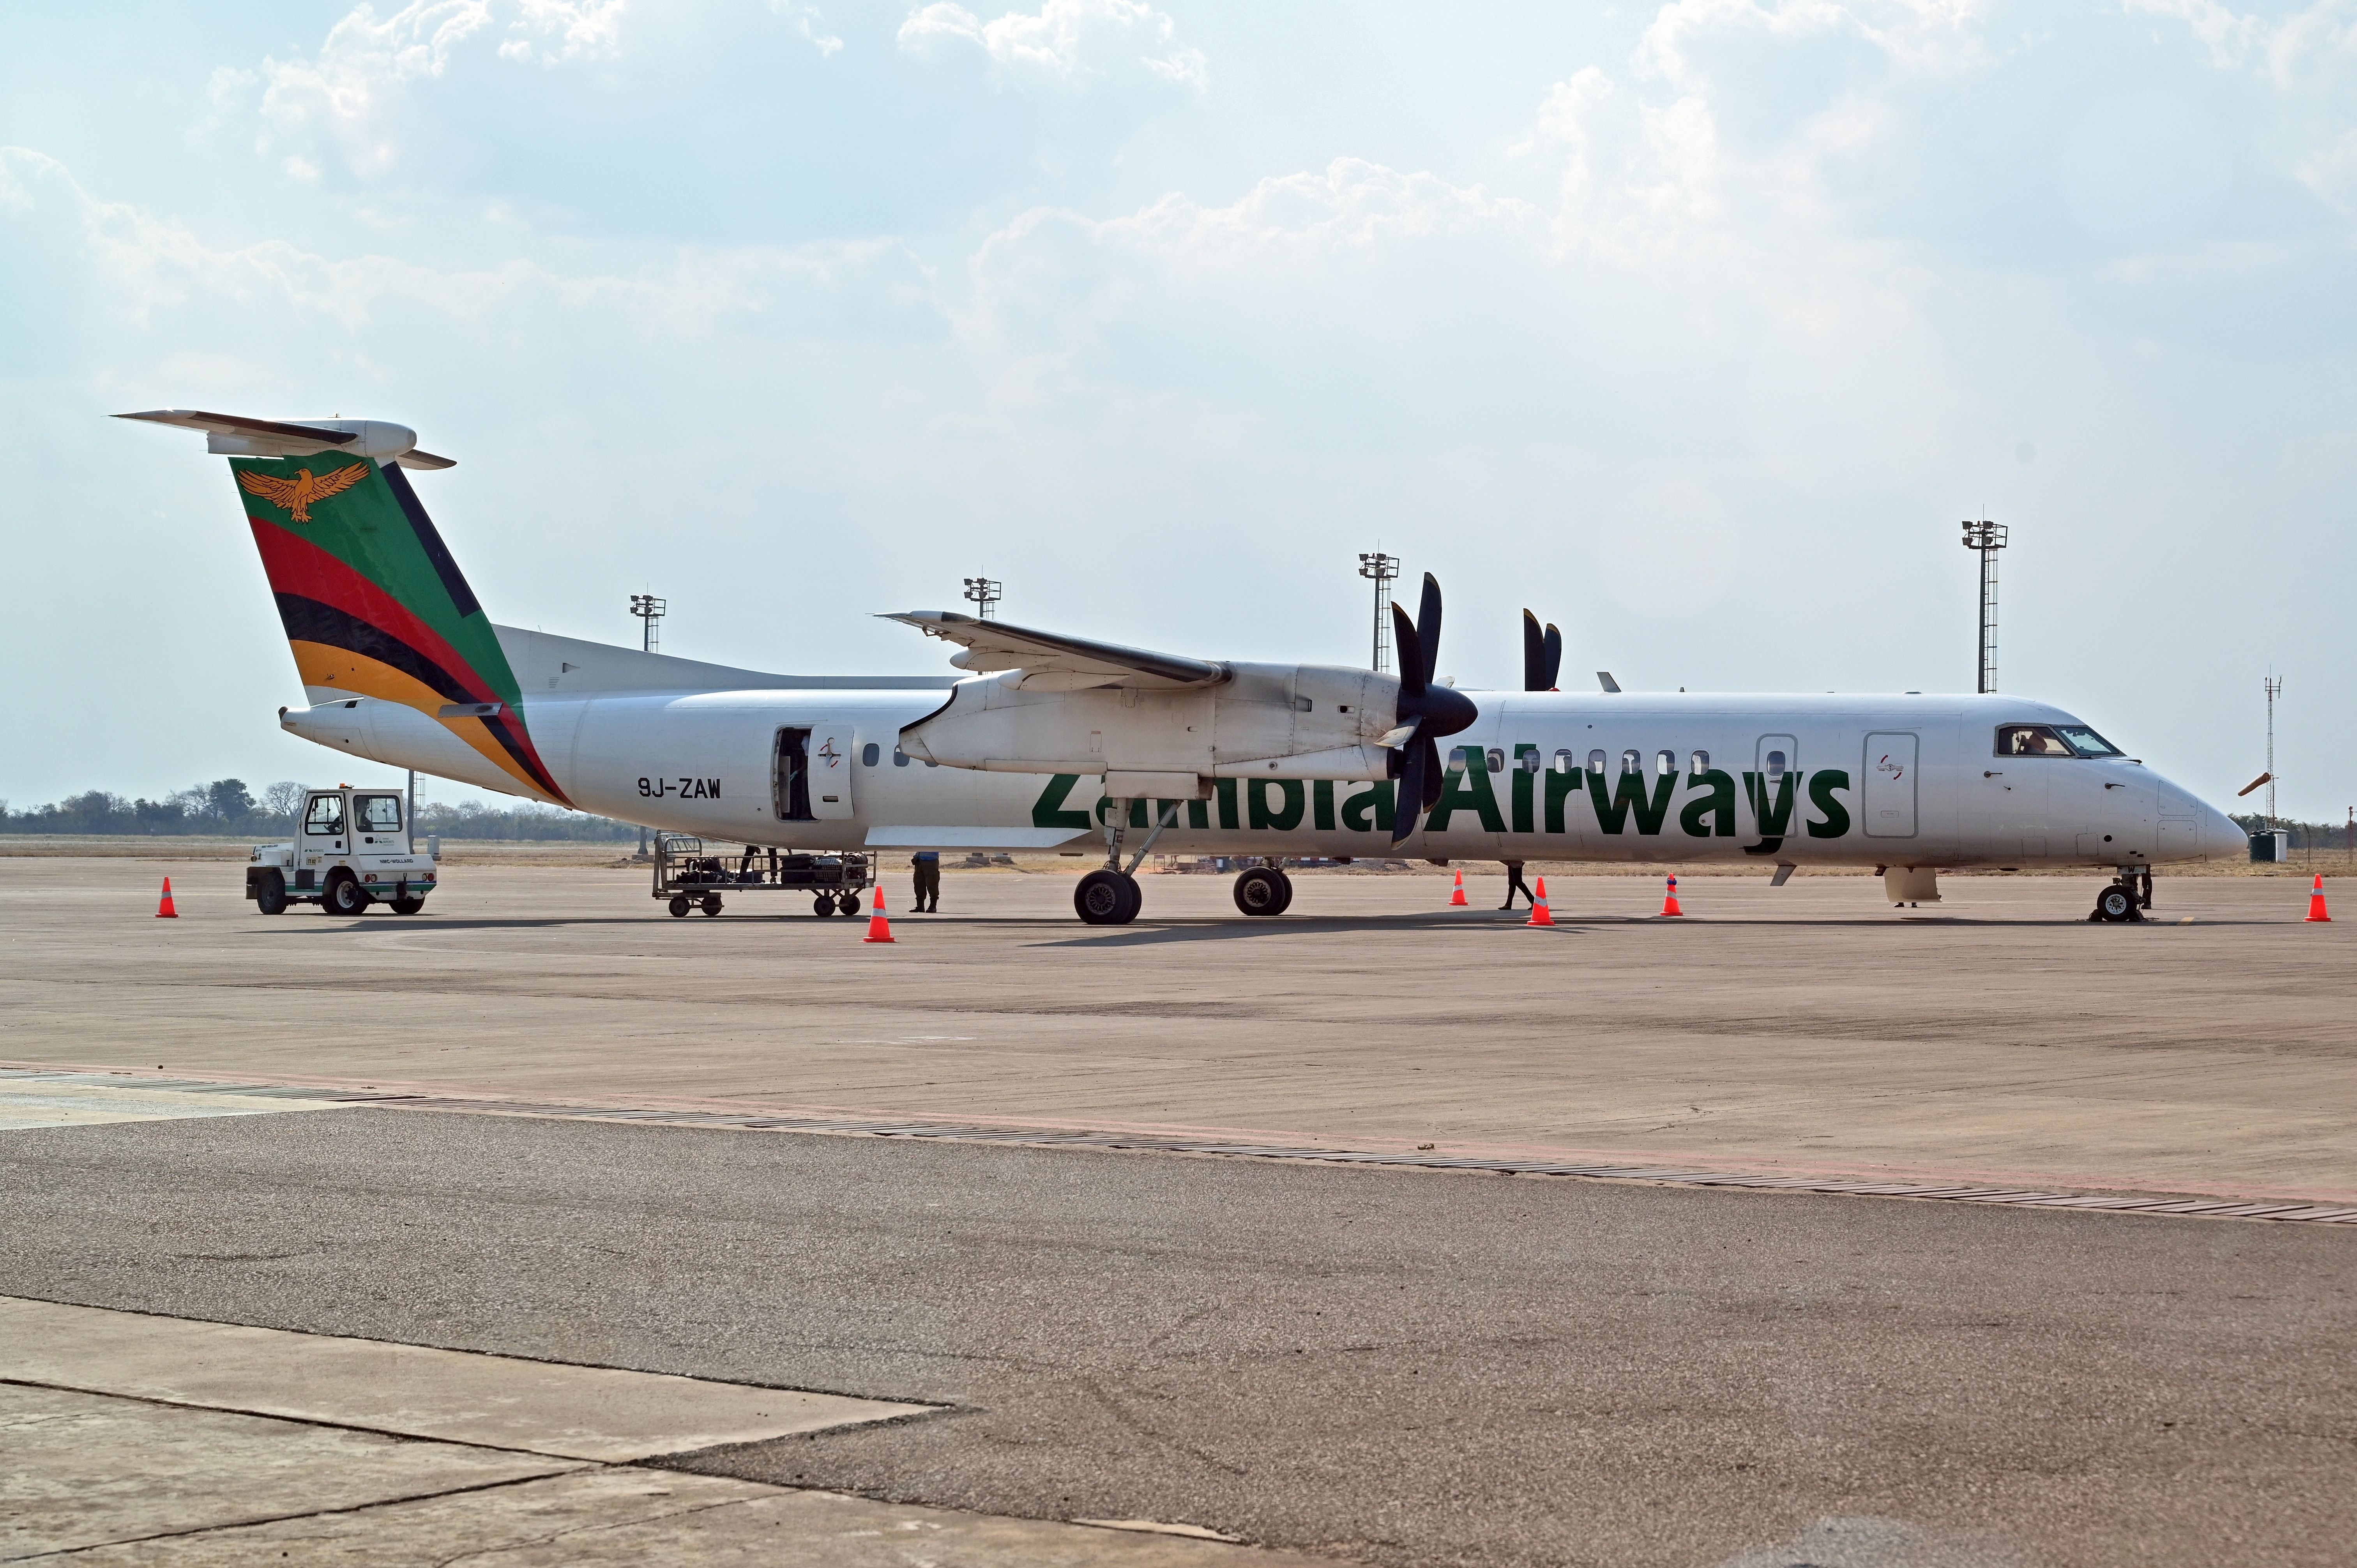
1457 899
2316 900
1539 916
164 910
879 929
1669 900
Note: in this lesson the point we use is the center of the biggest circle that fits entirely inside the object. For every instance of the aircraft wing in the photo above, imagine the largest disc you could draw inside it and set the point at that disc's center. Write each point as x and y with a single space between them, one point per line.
1054 662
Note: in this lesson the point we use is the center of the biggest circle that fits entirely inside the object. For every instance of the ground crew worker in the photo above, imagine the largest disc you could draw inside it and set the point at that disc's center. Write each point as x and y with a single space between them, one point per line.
1513 882
928 864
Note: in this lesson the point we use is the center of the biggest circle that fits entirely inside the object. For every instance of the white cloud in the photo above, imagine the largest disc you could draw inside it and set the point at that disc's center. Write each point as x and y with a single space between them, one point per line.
366 63
1918 35
808 20
1058 40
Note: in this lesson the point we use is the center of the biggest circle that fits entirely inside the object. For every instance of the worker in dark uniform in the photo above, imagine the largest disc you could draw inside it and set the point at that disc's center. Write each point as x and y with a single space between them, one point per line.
1513 884
928 864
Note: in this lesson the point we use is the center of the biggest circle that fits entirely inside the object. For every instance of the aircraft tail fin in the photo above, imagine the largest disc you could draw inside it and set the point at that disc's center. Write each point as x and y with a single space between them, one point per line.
374 605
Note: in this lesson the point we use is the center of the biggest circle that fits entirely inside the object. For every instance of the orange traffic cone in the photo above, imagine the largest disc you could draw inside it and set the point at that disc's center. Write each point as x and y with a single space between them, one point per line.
1457 899
1669 900
2316 900
164 910
879 929
1539 916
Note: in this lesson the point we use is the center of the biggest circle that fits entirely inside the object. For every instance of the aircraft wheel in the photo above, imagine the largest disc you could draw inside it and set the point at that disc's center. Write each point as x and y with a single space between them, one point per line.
343 896
680 904
269 892
1264 890
711 905
847 902
2115 904
1106 898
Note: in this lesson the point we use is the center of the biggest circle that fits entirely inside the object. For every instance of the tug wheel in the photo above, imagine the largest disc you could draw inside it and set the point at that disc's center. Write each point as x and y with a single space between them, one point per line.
269 892
409 905
344 896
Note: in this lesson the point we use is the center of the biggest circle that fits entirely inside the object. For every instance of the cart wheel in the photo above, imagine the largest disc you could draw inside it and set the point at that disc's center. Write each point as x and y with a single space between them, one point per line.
680 907
847 902
710 903
823 906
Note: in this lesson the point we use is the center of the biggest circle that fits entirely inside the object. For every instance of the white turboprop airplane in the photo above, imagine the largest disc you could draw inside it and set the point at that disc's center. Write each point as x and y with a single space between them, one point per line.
1050 742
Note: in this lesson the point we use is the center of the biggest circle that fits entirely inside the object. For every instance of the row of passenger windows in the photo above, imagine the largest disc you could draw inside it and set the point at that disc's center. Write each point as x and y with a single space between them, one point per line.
1564 761
871 753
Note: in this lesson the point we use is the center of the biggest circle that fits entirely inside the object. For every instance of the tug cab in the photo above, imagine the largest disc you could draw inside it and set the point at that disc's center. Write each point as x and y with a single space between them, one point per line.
351 849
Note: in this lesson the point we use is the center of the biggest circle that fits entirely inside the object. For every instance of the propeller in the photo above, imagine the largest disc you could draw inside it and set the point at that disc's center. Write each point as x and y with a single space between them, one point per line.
1427 710
1542 655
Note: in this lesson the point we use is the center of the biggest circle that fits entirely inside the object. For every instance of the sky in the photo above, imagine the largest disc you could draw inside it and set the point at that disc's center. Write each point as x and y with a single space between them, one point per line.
1695 328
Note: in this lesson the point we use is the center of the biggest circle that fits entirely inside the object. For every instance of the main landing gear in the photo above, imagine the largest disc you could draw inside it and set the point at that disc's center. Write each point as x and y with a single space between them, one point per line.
1265 890
2126 898
1110 896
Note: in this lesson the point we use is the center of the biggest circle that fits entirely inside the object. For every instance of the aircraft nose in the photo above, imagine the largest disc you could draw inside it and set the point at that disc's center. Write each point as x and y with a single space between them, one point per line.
2222 838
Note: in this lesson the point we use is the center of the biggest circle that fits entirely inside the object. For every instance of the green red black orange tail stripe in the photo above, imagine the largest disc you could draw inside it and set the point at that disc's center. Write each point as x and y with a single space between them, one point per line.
374 605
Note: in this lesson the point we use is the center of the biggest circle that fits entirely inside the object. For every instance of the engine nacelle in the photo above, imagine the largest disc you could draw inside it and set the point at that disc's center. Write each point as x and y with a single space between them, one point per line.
1265 720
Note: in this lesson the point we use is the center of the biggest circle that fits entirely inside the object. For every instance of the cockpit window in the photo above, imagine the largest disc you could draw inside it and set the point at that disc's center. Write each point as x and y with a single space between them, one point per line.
2051 740
2086 742
2029 740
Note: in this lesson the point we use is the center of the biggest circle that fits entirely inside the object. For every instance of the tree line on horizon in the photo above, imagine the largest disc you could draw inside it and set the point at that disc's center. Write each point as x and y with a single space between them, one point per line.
227 808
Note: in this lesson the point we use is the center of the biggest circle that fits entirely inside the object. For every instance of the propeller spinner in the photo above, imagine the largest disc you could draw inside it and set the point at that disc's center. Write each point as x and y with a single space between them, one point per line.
1426 711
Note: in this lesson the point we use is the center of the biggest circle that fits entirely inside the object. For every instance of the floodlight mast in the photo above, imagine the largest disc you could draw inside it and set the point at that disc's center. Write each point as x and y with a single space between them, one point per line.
985 593
1381 569
2274 687
1986 539
650 611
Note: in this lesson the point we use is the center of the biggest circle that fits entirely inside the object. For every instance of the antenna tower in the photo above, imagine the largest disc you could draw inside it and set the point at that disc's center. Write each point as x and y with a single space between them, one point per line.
2274 686
650 611
1987 539
1381 569
984 593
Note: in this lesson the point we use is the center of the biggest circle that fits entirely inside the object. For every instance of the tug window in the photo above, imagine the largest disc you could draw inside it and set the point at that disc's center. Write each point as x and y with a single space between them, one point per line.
1596 761
379 813
1701 760
325 816
2029 740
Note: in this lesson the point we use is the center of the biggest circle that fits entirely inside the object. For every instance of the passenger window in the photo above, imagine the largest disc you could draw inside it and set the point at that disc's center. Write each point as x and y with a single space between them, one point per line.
1528 761
379 813
2029 740
1666 763
326 815
1701 762
869 752
1775 767
900 758
1565 762
1630 762
1497 761
1596 762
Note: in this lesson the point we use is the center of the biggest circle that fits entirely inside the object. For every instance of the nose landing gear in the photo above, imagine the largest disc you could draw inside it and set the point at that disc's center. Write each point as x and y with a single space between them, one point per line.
2126 898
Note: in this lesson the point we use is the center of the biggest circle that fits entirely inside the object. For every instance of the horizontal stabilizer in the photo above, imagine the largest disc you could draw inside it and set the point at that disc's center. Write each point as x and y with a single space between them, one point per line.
1053 662
241 436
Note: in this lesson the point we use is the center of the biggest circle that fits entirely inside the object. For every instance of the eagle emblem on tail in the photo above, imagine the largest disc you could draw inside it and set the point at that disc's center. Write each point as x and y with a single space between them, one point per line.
297 493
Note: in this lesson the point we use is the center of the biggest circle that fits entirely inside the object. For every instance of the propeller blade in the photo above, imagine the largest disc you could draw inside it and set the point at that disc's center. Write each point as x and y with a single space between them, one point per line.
1427 627
1416 673
1407 798
1434 774
1395 737
1554 665
1534 654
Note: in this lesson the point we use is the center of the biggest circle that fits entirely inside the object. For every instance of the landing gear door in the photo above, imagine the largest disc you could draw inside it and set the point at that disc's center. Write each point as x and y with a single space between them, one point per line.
832 760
